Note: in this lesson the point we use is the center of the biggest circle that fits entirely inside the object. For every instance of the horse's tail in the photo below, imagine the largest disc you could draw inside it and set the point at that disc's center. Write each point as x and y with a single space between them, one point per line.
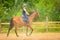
11 26
11 22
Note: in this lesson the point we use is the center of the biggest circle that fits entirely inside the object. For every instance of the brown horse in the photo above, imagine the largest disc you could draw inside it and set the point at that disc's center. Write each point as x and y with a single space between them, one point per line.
16 21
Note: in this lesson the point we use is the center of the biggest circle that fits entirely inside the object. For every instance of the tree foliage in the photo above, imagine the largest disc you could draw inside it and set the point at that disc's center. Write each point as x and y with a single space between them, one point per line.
11 8
49 8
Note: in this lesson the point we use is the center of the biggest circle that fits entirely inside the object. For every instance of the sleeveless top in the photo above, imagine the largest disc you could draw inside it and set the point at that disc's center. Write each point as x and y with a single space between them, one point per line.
23 12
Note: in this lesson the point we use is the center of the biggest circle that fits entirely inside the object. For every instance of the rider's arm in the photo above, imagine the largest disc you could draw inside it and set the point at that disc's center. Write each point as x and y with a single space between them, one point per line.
26 12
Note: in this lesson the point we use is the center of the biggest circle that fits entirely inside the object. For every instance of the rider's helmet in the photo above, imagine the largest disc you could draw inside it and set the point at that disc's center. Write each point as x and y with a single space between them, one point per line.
24 5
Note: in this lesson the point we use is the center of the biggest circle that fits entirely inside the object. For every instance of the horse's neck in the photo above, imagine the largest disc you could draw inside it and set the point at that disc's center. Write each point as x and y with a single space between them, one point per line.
32 16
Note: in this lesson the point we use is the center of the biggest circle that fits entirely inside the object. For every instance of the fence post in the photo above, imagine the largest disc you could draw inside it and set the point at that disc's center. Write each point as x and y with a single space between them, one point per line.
0 26
46 24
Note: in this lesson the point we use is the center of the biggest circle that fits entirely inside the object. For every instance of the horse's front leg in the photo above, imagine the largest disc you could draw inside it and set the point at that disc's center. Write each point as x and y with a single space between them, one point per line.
31 30
27 30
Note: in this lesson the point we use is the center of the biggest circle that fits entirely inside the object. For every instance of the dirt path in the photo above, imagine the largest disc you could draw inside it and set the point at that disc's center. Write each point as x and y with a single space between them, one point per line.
40 36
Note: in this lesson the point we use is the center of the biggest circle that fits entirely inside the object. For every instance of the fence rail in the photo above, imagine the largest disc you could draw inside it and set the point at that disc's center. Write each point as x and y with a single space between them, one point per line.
39 22
46 24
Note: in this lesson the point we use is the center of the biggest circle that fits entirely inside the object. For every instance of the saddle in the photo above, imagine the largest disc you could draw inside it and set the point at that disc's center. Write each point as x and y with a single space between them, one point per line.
26 19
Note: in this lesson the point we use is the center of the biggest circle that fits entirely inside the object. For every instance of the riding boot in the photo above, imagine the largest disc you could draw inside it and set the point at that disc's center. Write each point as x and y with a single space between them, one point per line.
27 23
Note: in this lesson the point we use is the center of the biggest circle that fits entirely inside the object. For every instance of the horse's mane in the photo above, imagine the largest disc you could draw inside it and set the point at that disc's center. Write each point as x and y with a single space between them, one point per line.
30 13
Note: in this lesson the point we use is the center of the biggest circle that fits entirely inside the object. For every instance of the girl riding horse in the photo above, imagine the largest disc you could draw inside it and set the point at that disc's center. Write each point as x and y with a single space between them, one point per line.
25 14
16 21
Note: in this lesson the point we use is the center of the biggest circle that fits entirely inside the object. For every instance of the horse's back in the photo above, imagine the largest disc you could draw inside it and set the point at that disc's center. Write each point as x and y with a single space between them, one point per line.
17 18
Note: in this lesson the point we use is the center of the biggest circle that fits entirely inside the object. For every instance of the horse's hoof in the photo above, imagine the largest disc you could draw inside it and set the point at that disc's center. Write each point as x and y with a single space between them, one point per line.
27 35
17 35
7 35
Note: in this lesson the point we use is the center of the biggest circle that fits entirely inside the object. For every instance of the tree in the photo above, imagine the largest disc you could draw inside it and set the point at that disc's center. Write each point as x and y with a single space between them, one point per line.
9 8
49 8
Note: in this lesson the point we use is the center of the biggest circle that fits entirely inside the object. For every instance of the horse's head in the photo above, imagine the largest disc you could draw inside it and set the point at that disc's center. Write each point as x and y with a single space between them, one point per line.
36 14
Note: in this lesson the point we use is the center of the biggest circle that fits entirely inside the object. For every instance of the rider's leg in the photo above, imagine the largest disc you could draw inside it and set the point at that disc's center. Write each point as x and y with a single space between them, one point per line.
27 21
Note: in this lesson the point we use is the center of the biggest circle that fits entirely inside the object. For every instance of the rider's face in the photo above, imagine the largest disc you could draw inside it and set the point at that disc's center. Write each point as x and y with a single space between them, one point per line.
25 7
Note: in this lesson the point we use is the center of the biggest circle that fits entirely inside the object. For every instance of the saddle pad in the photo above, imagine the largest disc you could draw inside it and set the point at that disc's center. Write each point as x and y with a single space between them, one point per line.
24 19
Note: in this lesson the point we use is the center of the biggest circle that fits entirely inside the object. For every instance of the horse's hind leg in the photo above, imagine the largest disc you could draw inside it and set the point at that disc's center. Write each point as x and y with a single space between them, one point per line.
9 30
16 28
16 31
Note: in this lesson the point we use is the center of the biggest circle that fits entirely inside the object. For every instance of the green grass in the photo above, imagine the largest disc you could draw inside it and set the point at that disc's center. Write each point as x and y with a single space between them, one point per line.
36 30
54 29
54 25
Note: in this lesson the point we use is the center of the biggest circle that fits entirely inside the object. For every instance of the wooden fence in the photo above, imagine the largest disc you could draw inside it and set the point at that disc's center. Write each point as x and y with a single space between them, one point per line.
46 23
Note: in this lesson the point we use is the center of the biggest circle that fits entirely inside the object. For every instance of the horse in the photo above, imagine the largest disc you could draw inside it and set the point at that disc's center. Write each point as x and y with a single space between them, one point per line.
16 21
